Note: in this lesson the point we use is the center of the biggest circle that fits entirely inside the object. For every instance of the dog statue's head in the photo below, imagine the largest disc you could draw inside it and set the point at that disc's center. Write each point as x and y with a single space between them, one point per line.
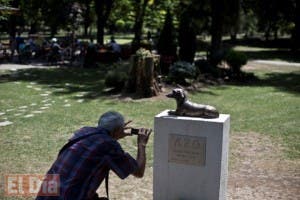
177 94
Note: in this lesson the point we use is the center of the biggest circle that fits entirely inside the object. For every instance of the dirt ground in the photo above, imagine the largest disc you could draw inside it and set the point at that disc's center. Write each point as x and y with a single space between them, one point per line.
258 171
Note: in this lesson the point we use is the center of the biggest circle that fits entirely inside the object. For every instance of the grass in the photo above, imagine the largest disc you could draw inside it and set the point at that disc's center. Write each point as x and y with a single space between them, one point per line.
268 106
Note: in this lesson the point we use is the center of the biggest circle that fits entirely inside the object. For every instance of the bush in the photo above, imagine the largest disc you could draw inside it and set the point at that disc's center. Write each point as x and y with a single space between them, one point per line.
166 44
143 53
235 60
167 40
116 79
205 67
120 24
181 70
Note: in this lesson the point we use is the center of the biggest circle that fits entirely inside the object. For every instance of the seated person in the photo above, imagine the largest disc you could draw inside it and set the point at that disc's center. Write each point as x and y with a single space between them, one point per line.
115 47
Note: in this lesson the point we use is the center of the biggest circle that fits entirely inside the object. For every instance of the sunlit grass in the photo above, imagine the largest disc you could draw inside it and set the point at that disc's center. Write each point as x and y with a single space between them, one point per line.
269 106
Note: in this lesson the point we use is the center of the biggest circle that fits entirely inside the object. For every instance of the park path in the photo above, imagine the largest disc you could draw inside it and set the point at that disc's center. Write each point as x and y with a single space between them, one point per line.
38 65
14 67
276 63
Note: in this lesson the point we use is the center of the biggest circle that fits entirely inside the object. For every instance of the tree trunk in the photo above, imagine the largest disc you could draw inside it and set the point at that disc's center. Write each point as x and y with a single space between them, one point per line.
275 33
13 20
216 30
142 76
138 25
187 39
267 33
53 30
296 34
131 83
33 28
100 32
232 18
103 9
233 36
87 19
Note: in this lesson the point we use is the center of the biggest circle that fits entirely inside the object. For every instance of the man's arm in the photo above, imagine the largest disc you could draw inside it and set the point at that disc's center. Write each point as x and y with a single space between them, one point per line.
141 154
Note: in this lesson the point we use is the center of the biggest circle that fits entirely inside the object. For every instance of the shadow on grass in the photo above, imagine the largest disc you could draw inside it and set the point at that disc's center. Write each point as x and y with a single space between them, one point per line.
90 82
285 82
285 55
63 81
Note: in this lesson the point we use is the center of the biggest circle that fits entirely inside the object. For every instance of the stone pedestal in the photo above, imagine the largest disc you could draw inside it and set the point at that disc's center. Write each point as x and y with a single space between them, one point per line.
190 157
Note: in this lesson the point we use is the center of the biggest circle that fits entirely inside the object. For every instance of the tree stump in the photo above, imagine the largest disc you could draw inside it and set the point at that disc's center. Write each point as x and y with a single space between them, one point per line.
143 76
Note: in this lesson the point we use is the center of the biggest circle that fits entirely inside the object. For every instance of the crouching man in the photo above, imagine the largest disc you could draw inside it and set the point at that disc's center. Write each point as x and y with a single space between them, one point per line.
84 162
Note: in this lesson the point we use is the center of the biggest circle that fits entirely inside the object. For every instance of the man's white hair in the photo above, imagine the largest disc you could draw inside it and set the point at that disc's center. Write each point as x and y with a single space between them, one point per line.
111 121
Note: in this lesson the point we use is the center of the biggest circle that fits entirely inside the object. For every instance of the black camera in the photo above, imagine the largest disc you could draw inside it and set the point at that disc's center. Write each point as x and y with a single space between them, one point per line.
135 131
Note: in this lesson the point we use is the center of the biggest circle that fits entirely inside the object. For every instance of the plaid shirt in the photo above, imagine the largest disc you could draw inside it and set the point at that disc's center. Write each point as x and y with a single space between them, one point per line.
83 166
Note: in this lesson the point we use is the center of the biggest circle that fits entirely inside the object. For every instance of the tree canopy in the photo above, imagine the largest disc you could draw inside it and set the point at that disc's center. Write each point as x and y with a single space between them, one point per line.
207 17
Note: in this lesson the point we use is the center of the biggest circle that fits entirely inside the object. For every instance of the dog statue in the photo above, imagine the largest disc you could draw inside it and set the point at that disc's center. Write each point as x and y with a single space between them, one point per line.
190 109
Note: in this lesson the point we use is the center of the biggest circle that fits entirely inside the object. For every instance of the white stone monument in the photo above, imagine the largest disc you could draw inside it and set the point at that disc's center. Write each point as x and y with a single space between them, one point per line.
190 157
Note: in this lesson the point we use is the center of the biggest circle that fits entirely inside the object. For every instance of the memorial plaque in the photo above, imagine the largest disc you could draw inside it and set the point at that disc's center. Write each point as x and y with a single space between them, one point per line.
188 150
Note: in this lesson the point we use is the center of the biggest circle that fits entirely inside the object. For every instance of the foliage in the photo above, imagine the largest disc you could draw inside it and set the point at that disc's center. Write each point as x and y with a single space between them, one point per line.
143 53
205 67
4 14
103 9
167 42
235 60
181 70
120 24
187 38
232 18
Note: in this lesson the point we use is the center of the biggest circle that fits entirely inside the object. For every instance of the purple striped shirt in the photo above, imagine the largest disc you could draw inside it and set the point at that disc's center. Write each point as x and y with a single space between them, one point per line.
83 166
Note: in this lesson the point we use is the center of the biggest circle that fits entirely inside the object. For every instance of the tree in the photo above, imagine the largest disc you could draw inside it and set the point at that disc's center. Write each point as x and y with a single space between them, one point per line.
194 18
232 18
187 37
4 13
87 16
32 13
103 9
122 16
55 13
217 7
140 8
166 45
13 19
296 33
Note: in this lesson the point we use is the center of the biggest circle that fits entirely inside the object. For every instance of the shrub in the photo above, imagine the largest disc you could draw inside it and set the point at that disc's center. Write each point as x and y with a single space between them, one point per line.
143 53
116 79
235 60
167 45
205 67
167 40
181 70
120 24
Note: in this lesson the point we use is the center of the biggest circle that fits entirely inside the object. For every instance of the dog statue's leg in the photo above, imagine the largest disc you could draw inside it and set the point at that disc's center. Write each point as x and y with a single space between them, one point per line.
172 112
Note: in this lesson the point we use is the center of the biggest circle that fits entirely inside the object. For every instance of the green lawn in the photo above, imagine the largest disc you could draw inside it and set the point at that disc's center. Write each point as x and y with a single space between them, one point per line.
270 106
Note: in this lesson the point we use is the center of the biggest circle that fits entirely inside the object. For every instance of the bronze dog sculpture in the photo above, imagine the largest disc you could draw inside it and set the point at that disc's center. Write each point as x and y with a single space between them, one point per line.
190 109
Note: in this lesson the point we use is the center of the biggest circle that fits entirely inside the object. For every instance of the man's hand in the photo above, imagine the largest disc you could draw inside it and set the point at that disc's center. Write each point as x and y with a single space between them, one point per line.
142 140
126 127
143 136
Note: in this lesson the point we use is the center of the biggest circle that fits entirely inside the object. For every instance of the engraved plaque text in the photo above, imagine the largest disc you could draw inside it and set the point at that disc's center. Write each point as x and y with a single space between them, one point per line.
188 150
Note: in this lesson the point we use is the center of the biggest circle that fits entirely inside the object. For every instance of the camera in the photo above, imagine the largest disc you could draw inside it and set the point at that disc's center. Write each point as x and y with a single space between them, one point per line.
135 131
